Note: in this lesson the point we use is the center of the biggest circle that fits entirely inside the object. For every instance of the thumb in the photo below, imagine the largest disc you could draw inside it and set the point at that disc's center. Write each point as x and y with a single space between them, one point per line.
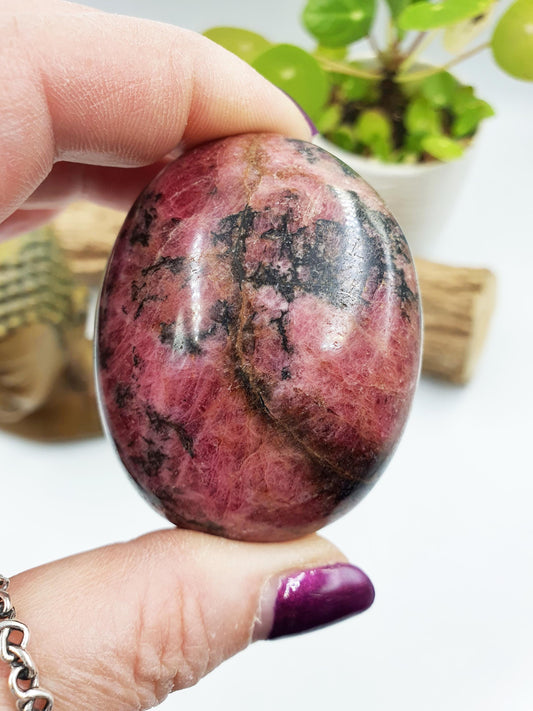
123 626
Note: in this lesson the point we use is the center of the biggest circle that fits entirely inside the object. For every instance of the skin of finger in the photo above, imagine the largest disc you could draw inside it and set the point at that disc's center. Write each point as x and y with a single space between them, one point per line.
104 89
23 221
116 187
113 187
124 625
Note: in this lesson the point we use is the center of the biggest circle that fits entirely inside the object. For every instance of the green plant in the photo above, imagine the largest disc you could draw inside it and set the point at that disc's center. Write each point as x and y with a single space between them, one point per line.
393 106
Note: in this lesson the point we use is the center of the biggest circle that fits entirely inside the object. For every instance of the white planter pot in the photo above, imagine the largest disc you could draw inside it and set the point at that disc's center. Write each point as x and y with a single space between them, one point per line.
421 196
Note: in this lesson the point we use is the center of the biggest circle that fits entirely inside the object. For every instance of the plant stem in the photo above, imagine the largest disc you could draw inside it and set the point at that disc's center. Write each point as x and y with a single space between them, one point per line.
341 68
374 45
418 39
392 37
402 78
422 40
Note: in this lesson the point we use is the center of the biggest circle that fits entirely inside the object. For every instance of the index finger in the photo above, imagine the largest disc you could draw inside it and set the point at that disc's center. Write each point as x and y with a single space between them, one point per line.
117 91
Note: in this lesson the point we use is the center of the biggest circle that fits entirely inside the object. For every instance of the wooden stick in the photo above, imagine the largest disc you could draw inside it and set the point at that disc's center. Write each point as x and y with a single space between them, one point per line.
86 233
457 301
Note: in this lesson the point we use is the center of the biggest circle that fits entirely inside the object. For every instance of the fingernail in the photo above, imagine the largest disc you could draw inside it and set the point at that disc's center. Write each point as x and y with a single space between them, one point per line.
312 127
302 601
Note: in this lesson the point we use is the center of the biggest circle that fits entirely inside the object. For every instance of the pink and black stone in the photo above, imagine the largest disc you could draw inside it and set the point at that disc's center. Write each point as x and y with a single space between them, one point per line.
259 338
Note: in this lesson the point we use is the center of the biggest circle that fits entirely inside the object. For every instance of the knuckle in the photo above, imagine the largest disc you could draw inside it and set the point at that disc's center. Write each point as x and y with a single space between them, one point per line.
171 643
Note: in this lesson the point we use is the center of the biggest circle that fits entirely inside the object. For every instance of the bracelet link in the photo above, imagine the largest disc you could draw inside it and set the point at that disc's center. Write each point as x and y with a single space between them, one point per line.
6 648
23 679
7 611
29 698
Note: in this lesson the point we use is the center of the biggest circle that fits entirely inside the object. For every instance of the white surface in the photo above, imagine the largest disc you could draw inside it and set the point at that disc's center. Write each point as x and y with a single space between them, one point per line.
447 535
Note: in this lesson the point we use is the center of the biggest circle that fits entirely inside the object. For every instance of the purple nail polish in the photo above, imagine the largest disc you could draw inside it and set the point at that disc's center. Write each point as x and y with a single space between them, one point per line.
312 127
312 598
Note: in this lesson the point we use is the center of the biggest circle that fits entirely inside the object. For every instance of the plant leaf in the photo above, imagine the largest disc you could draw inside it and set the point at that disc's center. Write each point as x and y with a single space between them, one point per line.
336 54
413 145
439 89
336 23
373 129
246 45
463 98
352 88
372 124
421 118
329 119
396 6
457 37
466 122
512 41
406 157
423 16
297 73
442 147
344 138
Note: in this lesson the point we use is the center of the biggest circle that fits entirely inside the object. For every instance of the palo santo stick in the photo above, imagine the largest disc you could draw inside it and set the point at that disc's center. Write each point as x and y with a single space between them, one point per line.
86 233
457 301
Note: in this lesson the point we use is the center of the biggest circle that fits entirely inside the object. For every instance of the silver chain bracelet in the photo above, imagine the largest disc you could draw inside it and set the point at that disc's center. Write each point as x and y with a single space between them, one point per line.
23 678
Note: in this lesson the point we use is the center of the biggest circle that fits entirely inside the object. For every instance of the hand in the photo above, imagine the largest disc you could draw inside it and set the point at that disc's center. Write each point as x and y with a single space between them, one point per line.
92 103
98 104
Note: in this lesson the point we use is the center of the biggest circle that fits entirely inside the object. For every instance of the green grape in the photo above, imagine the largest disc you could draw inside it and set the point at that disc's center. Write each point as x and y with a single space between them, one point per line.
246 45
297 73
512 41
423 16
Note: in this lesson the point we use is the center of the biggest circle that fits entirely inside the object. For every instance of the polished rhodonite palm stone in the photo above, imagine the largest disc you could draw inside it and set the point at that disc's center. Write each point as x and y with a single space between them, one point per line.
259 338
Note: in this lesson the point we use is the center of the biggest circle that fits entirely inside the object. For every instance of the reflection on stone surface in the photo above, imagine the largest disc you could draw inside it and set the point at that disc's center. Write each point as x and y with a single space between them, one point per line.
259 338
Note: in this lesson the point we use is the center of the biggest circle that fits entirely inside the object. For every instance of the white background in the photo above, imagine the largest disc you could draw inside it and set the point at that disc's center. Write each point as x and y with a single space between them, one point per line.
447 535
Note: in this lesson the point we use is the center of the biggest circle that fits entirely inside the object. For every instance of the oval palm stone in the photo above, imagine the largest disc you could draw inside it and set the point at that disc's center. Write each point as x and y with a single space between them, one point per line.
259 338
